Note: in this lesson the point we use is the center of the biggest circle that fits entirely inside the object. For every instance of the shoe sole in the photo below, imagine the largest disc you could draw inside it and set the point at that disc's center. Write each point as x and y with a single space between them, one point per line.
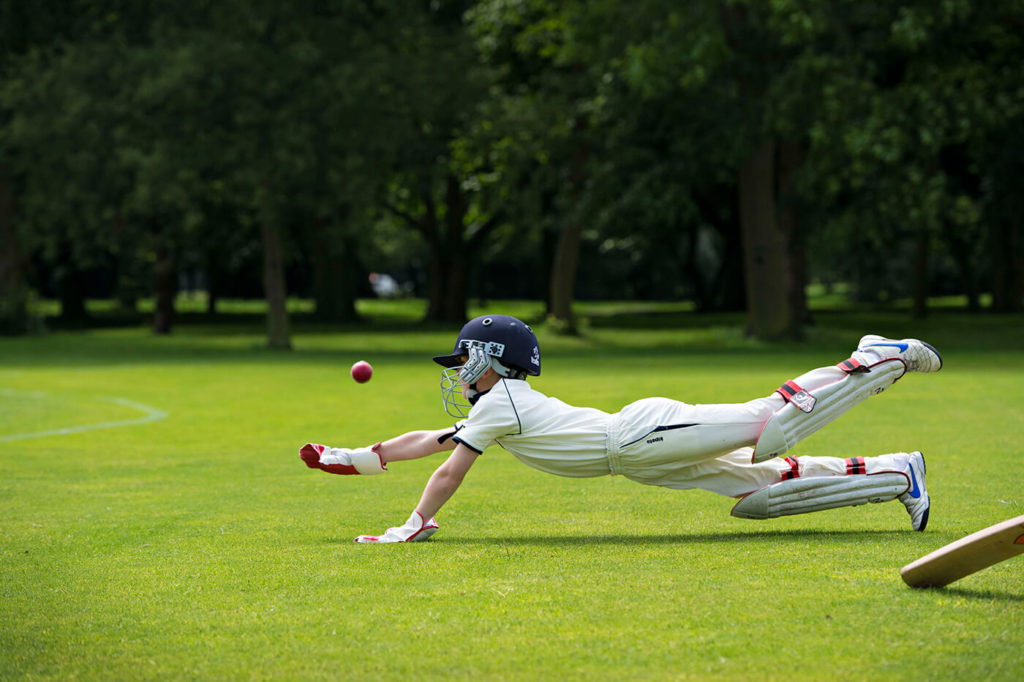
937 354
924 489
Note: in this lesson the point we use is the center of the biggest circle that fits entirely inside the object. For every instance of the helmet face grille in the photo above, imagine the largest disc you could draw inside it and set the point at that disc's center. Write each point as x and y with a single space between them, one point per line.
455 403
498 342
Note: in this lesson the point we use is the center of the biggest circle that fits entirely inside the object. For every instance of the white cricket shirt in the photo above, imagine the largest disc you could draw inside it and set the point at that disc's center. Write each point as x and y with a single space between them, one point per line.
655 441
541 431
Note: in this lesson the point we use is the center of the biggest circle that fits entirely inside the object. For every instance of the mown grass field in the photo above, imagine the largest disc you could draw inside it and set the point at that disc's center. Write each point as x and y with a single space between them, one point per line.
191 542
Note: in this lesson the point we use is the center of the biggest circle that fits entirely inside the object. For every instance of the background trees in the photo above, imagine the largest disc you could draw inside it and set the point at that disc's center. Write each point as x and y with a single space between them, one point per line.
725 152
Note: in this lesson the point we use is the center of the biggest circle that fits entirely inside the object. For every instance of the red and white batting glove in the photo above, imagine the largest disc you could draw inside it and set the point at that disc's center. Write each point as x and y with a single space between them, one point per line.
366 461
414 530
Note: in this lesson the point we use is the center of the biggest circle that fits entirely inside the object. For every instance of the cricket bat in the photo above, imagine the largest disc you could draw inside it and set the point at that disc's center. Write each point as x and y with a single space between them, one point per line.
967 555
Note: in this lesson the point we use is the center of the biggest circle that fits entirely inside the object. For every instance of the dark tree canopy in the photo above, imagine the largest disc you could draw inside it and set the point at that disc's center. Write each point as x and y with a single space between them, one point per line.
723 152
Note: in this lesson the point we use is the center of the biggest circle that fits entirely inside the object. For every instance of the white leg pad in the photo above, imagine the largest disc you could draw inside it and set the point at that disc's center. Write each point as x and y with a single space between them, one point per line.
792 424
805 495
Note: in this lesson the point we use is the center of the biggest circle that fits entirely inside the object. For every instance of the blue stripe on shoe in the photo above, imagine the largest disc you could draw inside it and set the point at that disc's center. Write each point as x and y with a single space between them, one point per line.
902 346
915 491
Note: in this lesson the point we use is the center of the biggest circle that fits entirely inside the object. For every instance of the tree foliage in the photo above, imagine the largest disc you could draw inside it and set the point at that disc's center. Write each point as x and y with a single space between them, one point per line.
723 151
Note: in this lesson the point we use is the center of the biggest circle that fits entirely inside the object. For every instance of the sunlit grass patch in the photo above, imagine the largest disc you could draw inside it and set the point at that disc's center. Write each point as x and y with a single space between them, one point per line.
199 546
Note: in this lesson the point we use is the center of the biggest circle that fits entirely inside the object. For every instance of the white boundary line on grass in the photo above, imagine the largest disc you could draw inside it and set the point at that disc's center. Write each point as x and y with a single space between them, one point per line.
152 415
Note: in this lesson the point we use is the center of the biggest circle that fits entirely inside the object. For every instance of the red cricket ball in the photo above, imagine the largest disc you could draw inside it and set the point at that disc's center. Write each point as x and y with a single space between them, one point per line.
362 371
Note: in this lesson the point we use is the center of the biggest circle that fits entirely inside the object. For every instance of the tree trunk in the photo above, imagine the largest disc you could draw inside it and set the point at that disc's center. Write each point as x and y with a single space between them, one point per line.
212 266
960 250
13 290
446 298
766 254
1008 270
164 287
132 273
799 312
549 245
732 278
567 252
703 287
450 254
919 310
790 158
72 297
70 288
435 279
427 224
453 304
278 335
334 277
563 275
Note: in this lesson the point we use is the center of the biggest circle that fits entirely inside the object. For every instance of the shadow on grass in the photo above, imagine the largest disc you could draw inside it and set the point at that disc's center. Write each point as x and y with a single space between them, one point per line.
981 595
801 536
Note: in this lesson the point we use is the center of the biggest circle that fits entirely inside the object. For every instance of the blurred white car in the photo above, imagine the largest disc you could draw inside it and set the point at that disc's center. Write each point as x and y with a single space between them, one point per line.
384 285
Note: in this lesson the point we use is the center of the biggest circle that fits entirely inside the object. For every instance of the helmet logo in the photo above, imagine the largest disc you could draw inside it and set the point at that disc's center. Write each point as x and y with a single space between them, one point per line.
535 358
492 348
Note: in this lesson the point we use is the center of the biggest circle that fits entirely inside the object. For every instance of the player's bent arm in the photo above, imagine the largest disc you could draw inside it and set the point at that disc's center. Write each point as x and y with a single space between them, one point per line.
416 444
445 481
441 486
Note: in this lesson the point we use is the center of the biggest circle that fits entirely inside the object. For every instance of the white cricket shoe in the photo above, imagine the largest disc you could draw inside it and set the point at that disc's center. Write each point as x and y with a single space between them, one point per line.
916 498
918 355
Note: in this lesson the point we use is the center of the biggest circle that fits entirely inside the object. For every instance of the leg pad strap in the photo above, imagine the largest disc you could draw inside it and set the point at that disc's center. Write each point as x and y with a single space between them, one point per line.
797 420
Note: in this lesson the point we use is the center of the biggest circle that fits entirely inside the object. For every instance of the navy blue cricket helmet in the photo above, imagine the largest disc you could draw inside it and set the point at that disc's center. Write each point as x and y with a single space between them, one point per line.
498 342
509 341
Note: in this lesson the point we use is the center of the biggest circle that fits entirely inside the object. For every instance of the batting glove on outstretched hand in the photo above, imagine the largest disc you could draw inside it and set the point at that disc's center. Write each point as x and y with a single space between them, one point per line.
414 530
346 461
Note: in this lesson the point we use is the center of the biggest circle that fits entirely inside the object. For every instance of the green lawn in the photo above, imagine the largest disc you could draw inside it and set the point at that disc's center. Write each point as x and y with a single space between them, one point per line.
196 545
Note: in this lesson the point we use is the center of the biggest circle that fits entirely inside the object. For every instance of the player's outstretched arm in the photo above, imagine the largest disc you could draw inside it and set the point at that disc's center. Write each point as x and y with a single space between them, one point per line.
374 459
416 444
440 488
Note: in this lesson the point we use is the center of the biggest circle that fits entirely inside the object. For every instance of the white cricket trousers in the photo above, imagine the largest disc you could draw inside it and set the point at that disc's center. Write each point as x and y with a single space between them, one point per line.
663 442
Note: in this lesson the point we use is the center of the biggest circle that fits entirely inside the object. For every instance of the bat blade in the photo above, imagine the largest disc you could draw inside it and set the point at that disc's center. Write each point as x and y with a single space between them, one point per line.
967 555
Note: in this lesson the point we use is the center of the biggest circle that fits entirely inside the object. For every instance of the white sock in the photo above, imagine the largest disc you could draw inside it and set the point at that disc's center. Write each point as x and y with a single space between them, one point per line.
837 466
867 357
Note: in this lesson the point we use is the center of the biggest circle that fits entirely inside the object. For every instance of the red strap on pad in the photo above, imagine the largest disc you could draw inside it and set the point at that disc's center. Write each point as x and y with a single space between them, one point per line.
792 393
855 465
851 365
794 469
